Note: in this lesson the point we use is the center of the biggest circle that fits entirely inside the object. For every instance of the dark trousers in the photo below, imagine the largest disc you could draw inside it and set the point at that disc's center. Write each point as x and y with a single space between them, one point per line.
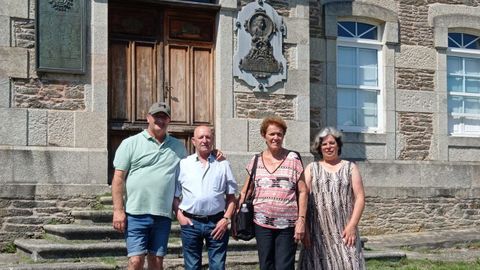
276 248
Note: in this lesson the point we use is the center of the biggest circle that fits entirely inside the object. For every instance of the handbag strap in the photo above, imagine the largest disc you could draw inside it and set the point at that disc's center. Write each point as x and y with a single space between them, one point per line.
252 174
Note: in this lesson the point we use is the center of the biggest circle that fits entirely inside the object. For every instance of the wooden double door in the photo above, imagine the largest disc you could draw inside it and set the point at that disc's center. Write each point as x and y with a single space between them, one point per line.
159 53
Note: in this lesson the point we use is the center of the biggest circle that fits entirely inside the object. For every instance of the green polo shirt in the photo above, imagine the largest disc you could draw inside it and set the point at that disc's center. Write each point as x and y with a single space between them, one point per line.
152 168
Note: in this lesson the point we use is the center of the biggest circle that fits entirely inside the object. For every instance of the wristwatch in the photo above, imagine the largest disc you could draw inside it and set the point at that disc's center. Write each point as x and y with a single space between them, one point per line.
228 219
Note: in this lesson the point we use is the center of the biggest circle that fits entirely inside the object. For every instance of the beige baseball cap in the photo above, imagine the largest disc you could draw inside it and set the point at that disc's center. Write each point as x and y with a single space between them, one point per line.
159 107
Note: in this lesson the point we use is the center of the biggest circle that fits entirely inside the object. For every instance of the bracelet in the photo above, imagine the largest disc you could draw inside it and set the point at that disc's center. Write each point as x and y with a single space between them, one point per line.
301 217
228 219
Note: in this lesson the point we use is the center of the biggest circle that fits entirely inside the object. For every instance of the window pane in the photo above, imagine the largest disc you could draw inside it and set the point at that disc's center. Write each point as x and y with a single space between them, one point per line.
472 105
475 45
472 85
468 39
366 31
367 118
455 104
454 40
346 56
454 65
455 84
472 66
347 75
367 99
346 117
472 125
346 98
368 77
367 58
350 26
454 125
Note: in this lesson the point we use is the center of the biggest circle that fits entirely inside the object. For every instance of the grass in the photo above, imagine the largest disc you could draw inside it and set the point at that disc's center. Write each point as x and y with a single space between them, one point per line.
406 264
9 248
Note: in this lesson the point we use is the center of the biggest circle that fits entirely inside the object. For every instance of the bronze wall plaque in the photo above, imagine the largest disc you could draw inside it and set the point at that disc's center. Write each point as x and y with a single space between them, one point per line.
61 36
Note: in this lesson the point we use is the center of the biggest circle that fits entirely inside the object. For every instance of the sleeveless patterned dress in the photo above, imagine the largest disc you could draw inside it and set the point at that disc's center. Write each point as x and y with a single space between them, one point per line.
330 205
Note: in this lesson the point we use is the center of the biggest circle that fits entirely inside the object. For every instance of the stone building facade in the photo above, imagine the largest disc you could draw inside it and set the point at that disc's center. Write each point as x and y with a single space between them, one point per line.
419 158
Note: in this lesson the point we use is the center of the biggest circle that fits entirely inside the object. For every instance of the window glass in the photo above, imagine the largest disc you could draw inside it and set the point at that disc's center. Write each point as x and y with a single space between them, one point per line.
346 29
454 65
357 30
472 67
366 31
367 100
346 98
347 56
469 41
367 60
346 75
472 126
455 40
455 104
472 105
472 85
462 40
455 84
346 117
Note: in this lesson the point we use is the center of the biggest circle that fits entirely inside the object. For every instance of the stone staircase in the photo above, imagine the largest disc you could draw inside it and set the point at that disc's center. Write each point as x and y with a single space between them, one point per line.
91 243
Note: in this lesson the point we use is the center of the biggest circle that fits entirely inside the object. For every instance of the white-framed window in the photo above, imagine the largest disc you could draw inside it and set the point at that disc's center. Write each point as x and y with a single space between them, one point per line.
359 77
463 84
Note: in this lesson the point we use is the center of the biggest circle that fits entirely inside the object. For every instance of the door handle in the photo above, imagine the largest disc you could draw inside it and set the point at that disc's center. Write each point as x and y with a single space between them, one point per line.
167 90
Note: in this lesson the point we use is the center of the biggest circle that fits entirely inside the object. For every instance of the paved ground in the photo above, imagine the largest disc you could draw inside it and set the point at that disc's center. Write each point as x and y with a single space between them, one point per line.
450 245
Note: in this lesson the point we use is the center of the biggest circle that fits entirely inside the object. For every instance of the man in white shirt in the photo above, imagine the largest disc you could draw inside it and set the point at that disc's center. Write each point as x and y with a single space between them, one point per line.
207 190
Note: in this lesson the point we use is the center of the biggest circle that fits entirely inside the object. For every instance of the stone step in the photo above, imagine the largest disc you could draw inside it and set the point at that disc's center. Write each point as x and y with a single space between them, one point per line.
106 200
14 227
31 220
92 216
82 232
92 232
45 249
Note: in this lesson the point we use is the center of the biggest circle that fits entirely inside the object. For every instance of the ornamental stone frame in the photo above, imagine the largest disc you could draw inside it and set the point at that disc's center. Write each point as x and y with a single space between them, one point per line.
442 18
388 18
258 58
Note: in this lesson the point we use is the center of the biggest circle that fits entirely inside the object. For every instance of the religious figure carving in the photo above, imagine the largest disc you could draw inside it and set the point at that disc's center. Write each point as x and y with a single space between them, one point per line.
61 5
260 60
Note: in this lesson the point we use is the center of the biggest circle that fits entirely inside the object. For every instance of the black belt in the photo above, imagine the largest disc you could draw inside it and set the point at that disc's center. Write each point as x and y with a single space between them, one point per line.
204 218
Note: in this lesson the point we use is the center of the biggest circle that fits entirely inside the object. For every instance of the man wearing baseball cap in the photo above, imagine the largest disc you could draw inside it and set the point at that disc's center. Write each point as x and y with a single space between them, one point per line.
149 160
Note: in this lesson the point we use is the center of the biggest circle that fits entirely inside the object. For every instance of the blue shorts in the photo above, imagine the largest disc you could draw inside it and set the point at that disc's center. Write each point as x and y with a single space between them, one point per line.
147 234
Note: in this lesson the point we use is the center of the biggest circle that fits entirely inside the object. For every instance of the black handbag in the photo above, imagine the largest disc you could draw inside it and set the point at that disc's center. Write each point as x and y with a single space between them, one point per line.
244 218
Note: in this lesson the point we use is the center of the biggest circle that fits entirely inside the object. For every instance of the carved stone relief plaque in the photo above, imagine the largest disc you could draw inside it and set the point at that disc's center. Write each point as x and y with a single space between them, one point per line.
258 59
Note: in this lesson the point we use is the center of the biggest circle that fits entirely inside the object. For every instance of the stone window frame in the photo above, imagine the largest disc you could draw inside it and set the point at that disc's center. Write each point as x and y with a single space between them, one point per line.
444 18
366 44
387 20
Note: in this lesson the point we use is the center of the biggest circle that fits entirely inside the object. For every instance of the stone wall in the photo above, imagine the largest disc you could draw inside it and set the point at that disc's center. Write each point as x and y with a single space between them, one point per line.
415 79
281 6
23 33
418 214
259 105
316 21
414 30
416 130
45 94
24 217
